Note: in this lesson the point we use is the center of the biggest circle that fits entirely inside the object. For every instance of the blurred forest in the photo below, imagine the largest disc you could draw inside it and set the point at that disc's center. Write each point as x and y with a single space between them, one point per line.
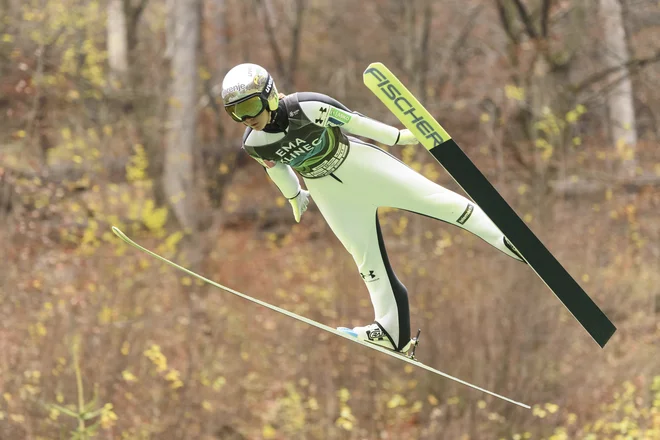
110 117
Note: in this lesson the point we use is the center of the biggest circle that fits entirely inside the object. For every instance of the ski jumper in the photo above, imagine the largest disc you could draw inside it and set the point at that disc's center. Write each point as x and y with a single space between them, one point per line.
349 180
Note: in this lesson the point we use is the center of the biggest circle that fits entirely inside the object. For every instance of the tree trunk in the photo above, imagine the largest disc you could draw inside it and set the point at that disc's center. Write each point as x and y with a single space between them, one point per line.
117 42
170 28
178 175
620 104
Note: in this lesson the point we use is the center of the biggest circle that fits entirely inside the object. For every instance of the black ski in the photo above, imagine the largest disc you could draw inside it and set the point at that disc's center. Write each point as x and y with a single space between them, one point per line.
398 99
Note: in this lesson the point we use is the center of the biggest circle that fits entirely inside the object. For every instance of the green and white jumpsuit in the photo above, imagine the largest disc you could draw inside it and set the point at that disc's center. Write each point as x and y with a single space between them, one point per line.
349 180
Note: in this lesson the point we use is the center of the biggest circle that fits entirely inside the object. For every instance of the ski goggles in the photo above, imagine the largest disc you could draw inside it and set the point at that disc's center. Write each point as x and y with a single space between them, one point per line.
250 108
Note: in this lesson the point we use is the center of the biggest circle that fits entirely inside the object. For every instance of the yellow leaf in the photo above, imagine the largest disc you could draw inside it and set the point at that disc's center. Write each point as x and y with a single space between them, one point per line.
41 329
539 412
541 143
453 400
54 414
18 418
572 117
106 315
343 395
219 383
108 417
551 407
204 74
514 93
186 281
172 375
547 153
345 424
268 432
128 376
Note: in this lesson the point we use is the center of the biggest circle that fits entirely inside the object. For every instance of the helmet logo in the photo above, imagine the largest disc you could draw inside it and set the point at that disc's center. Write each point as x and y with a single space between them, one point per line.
269 86
236 88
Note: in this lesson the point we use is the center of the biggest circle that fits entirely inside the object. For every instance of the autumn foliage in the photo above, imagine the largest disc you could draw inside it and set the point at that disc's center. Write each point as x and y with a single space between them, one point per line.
100 341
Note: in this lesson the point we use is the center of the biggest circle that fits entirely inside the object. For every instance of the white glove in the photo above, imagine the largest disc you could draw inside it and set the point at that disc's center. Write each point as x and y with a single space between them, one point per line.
299 204
406 137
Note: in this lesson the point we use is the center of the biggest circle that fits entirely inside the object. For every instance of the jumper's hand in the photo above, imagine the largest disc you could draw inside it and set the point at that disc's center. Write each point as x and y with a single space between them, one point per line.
299 204
407 138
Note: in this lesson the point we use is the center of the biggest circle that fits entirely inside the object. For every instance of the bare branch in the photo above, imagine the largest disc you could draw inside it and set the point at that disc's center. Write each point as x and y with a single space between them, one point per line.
295 40
598 184
545 14
133 14
506 22
459 41
526 19
423 66
267 13
632 65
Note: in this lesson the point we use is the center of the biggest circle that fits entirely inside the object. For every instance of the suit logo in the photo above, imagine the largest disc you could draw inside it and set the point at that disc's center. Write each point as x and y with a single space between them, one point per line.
323 116
369 276
466 214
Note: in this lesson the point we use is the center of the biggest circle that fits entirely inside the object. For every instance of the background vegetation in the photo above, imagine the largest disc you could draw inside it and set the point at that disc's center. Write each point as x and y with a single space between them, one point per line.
110 117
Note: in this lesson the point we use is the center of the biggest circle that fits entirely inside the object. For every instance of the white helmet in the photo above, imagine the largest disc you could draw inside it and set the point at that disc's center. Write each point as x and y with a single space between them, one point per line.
247 90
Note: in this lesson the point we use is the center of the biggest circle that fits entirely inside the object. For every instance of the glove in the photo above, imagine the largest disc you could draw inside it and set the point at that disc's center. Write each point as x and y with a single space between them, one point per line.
299 204
406 137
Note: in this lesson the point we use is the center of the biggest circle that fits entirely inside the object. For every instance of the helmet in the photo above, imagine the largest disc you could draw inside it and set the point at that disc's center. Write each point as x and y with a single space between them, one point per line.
248 90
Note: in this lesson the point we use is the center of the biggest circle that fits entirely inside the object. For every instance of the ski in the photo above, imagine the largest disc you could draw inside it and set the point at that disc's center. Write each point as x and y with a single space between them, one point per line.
406 358
398 99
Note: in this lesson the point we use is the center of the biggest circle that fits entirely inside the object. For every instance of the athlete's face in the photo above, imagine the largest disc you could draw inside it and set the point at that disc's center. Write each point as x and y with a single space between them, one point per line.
258 122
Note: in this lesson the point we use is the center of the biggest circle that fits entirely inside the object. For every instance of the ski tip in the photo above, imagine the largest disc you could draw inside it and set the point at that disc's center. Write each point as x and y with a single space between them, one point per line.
375 65
119 233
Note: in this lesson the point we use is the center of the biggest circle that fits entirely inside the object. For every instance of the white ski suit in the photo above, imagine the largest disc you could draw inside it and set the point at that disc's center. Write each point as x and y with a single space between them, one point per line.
349 180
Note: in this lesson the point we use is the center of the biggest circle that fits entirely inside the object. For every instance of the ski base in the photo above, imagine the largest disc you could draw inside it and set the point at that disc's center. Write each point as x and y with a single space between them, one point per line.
408 357
398 99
